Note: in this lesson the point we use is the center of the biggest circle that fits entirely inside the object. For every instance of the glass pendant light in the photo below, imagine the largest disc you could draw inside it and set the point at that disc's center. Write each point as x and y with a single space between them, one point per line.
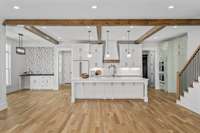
107 52
89 53
20 49
128 52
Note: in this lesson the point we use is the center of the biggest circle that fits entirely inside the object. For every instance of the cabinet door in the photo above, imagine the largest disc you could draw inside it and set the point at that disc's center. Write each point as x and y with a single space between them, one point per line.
118 90
99 91
128 91
79 90
109 90
35 82
89 90
42 82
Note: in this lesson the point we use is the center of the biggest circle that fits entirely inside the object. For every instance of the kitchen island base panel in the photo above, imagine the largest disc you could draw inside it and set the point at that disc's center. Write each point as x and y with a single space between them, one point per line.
109 90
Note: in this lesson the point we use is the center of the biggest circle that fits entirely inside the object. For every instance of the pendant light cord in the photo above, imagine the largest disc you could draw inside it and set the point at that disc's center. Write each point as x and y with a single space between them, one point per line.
107 41
89 36
128 41
20 40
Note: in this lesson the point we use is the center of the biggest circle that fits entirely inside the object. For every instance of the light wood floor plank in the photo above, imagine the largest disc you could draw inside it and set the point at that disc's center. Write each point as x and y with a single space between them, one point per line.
52 112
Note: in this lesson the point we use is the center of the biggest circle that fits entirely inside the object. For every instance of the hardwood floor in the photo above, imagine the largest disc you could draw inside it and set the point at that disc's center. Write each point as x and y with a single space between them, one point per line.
52 112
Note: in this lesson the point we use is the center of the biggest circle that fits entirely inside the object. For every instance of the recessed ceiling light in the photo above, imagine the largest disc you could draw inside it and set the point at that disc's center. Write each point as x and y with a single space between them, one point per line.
174 27
155 37
94 7
44 27
20 26
88 27
131 27
107 55
16 7
171 7
128 55
89 55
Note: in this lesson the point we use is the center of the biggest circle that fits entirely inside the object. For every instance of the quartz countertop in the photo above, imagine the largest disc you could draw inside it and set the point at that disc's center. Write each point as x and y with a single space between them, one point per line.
111 79
36 75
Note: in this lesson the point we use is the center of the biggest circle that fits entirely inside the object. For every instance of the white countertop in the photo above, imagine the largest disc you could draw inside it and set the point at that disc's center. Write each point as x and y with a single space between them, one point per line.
111 79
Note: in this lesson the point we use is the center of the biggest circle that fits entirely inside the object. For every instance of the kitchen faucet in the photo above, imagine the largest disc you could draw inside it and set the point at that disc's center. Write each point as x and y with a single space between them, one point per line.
113 68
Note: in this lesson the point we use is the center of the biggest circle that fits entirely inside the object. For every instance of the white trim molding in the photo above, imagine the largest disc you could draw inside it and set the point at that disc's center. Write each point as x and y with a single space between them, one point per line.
3 97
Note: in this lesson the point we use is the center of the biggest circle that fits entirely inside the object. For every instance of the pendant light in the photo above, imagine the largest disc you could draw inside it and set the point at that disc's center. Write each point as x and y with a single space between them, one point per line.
107 41
89 53
20 50
128 51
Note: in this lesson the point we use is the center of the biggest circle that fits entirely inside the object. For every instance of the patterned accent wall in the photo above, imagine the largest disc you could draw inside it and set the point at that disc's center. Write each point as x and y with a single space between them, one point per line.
40 60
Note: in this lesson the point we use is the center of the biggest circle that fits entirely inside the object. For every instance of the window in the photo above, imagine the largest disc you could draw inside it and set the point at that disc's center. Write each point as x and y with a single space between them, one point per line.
8 64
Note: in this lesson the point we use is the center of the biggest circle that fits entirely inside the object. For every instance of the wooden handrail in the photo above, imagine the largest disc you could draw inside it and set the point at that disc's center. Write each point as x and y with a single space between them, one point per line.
178 89
190 60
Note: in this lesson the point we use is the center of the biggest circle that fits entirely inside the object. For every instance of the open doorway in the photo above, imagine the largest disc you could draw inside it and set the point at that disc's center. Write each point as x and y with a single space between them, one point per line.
64 65
148 65
145 65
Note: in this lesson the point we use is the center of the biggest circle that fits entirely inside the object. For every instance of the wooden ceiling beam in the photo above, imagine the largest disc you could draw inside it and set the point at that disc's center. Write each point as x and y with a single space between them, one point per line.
99 33
41 34
102 22
148 34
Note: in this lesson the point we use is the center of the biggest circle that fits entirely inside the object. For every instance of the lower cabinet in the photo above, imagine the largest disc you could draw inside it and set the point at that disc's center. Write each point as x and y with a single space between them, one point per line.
109 90
38 82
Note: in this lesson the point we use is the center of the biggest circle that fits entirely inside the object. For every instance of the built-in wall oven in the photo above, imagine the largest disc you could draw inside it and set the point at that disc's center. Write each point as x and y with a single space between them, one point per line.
162 74
162 77
161 66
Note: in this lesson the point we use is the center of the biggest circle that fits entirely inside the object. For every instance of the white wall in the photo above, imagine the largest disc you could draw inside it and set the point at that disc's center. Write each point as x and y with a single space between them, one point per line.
66 67
193 41
3 98
174 53
17 66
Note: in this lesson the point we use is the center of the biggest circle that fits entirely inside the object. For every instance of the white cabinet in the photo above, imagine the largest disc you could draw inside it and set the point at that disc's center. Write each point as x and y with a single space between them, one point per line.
109 90
128 90
38 82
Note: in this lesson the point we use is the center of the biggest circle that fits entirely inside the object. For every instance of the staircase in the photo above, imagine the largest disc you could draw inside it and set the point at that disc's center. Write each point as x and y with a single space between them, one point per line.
188 84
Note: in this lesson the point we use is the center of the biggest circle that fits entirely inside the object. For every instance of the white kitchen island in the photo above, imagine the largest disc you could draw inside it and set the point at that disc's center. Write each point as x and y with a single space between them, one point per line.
110 88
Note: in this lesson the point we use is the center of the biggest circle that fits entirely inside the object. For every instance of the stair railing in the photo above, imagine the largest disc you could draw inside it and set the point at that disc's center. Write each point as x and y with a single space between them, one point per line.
189 73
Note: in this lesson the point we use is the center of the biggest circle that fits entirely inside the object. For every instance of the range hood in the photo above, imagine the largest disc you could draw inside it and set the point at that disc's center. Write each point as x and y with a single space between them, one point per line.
114 53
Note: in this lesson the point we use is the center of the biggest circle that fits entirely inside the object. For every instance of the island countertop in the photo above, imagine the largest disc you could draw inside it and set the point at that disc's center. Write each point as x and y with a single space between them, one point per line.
111 79
24 75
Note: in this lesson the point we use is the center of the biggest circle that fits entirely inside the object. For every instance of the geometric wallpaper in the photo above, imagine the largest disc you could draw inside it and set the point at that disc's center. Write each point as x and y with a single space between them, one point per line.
40 60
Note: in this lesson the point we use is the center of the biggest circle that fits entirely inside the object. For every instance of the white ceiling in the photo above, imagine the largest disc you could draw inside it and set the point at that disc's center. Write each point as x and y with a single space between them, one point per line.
68 35
67 9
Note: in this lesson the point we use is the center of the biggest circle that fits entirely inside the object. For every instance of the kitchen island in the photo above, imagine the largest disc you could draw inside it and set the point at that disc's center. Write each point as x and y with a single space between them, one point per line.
110 88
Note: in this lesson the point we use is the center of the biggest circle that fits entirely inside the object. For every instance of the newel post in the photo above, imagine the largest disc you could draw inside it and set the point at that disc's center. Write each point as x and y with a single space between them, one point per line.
178 89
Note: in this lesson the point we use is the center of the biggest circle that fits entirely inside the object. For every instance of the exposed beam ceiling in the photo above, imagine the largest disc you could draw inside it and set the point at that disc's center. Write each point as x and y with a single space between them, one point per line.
99 33
41 34
148 34
102 22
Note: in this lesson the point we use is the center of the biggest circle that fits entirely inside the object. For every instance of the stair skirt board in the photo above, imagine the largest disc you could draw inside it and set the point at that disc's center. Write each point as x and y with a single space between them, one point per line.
191 99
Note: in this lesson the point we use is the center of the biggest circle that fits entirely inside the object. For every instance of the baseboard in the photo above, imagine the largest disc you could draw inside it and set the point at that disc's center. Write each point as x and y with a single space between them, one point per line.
3 106
16 91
